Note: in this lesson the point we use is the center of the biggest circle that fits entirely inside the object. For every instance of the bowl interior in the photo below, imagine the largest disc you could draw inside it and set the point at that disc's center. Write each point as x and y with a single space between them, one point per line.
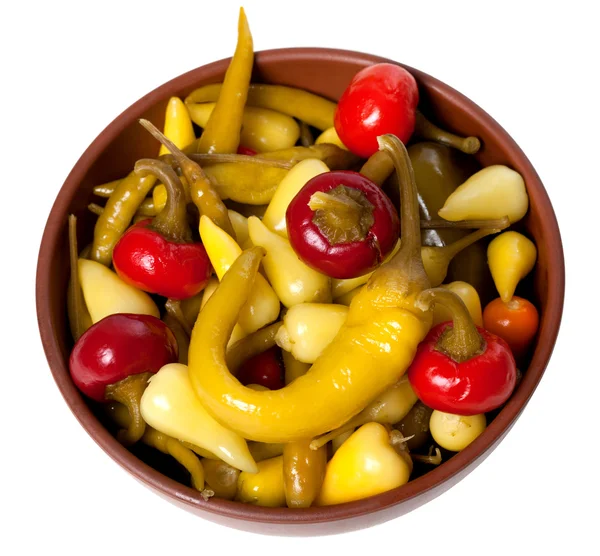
325 72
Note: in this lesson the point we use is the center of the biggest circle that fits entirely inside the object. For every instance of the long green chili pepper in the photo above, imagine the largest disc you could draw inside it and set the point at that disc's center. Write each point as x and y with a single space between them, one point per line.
298 103
222 131
202 193
122 204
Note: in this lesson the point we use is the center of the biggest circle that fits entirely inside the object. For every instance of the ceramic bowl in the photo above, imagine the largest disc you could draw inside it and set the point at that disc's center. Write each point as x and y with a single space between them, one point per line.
325 72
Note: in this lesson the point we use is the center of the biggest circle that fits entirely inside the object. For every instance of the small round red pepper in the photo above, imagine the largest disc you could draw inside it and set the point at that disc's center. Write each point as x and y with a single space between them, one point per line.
114 358
380 99
265 369
461 368
342 224
159 255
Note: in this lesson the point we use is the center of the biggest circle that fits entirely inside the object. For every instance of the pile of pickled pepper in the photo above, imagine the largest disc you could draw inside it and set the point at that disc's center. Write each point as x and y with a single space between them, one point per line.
254 305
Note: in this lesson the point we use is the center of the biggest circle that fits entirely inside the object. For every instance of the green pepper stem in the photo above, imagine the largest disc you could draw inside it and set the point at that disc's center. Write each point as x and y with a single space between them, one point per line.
430 459
462 340
405 271
428 130
451 250
378 167
172 220
252 345
208 159
129 393
95 209
437 224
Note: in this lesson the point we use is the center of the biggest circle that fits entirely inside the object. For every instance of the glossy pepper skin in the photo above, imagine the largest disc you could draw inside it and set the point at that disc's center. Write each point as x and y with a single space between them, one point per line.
264 369
371 352
460 368
117 347
147 260
380 99
342 240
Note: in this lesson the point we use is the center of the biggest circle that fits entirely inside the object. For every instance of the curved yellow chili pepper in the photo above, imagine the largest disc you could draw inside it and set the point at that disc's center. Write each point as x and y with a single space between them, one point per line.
265 487
263 130
105 293
291 184
263 305
178 125
238 332
169 405
511 257
297 103
371 352
222 131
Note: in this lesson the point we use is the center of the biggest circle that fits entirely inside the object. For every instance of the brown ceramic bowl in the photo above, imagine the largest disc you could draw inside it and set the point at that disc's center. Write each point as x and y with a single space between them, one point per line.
325 72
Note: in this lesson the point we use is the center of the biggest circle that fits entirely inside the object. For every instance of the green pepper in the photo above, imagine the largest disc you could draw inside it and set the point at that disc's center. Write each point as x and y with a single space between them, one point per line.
439 170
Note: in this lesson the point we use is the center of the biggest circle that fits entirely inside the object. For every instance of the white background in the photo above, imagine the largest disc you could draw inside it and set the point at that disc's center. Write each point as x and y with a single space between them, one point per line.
68 70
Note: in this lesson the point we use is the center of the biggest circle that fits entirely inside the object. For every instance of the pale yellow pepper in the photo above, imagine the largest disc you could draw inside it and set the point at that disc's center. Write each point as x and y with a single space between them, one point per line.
308 328
178 125
263 305
238 332
511 257
294 181
470 297
388 408
263 130
170 405
240 227
293 281
455 432
370 462
493 192
330 135
265 487
105 293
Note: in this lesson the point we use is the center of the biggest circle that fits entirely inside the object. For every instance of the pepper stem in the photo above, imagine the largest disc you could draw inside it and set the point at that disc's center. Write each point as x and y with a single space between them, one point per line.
428 130
171 221
462 340
430 459
252 345
405 272
451 250
499 223
129 392
342 214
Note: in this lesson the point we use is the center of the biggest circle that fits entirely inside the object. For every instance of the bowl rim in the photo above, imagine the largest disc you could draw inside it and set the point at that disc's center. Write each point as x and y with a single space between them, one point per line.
456 467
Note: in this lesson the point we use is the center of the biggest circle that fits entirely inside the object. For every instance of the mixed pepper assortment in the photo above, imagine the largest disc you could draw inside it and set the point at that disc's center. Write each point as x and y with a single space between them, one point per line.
289 304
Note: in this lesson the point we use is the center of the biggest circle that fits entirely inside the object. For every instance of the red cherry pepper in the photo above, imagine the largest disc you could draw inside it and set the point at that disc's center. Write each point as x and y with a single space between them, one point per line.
342 224
246 150
265 369
114 358
380 99
461 368
159 256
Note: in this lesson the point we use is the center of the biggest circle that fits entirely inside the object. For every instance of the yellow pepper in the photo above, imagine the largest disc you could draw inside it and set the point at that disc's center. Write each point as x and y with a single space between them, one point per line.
222 131
371 461
293 281
170 406
470 297
105 293
263 130
294 181
265 487
388 408
293 367
178 125
297 103
373 349
455 432
221 478
303 473
493 192
238 332
511 257
330 136
308 328
240 226
263 305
